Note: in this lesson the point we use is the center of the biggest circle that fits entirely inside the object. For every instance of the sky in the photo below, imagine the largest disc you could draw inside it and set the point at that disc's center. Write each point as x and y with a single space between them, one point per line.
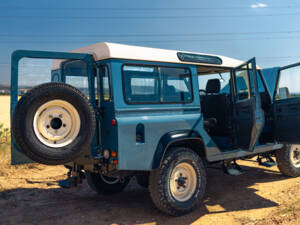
266 29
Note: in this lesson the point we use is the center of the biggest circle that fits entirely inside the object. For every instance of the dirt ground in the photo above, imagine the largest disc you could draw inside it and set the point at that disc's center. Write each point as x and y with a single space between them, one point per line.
29 194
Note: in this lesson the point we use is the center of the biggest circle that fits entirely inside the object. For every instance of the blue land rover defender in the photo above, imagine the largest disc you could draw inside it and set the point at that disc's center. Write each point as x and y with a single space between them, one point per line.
158 115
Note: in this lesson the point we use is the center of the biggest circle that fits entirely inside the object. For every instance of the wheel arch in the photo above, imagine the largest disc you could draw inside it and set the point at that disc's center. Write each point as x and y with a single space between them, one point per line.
185 138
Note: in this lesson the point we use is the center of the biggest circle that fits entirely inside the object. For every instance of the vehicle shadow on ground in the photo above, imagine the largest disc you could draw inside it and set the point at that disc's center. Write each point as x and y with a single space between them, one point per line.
81 205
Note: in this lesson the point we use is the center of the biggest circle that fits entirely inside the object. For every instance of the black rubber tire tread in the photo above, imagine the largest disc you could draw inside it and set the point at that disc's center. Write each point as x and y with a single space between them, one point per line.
284 163
22 120
97 184
159 184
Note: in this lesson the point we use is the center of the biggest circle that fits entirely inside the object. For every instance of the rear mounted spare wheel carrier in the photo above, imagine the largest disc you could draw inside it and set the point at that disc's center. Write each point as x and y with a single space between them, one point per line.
56 123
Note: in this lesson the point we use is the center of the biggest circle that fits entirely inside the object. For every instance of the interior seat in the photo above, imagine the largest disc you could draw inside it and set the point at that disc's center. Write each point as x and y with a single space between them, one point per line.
213 86
215 106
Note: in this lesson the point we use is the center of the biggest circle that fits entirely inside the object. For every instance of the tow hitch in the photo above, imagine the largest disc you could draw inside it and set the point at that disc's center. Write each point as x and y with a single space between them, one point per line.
75 177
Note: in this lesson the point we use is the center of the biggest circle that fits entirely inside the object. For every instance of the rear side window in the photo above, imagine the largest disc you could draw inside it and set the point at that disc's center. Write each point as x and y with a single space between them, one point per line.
141 84
176 85
153 84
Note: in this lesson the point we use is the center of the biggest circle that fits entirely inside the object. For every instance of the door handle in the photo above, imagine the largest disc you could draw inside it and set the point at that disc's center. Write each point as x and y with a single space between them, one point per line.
140 133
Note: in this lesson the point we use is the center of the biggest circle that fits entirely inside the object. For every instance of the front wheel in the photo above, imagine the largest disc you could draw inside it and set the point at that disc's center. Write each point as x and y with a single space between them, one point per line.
288 160
178 186
106 185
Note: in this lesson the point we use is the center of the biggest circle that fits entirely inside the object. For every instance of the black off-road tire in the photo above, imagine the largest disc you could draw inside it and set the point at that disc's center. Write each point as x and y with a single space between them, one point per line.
284 163
100 184
23 129
159 186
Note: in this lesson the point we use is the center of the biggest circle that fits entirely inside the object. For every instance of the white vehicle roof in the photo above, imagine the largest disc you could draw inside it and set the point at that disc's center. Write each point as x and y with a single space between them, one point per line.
106 50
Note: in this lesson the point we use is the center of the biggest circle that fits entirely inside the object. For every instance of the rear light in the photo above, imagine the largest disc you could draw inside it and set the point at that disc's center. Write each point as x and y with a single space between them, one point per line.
115 162
113 154
113 122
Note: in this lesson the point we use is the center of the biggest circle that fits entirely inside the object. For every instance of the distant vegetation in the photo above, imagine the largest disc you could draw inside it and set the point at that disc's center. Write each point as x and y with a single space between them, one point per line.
4 90
4 134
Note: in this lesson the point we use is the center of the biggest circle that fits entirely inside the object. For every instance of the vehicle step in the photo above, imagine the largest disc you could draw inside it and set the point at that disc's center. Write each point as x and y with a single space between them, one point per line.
269 162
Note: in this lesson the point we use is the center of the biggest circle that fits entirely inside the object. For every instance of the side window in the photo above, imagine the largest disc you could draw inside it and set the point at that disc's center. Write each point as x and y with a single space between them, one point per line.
288 83
75 68
81 83
105 83
243 86
153 84
141 84
75 73
177 85
224 80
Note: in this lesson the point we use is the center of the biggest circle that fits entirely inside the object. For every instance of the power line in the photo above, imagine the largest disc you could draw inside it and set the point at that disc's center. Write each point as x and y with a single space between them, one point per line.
147 17
157 41
147 9
148 35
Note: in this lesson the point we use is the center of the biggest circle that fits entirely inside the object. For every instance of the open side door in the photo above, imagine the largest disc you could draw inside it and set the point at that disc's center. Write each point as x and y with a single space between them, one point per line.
286 104
248 114
55 75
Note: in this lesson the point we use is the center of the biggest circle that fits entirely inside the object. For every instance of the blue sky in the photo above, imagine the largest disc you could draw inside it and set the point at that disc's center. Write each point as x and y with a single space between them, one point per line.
269 30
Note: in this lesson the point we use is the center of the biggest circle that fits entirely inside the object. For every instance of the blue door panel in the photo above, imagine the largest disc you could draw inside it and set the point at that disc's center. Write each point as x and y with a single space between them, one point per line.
138 156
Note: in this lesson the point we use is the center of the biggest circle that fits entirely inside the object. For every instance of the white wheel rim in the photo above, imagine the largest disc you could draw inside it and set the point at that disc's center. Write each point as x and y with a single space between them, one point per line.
56 123
183 182
295 156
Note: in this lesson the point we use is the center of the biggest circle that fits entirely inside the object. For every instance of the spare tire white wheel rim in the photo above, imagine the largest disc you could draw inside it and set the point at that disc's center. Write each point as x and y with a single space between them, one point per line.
295 156
183 182
56 123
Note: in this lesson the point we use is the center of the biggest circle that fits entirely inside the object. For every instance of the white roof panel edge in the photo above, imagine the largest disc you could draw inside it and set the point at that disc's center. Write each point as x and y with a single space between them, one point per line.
106 50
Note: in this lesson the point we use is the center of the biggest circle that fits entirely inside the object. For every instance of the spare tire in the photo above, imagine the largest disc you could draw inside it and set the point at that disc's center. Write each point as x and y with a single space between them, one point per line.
53 123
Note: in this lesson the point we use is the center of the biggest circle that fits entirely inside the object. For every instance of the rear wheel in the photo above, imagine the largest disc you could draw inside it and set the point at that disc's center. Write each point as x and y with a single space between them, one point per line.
178 186
53 123
106 185
288 160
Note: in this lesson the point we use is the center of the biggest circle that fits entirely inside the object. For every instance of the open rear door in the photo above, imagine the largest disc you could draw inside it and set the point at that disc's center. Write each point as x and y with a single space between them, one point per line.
31 68
248 114
286 104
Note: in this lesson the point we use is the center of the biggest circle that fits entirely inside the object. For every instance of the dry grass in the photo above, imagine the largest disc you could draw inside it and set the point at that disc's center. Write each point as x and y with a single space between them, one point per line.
5 110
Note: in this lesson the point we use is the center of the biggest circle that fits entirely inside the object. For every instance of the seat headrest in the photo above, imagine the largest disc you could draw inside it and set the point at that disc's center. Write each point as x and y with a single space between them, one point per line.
213 86
169 90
